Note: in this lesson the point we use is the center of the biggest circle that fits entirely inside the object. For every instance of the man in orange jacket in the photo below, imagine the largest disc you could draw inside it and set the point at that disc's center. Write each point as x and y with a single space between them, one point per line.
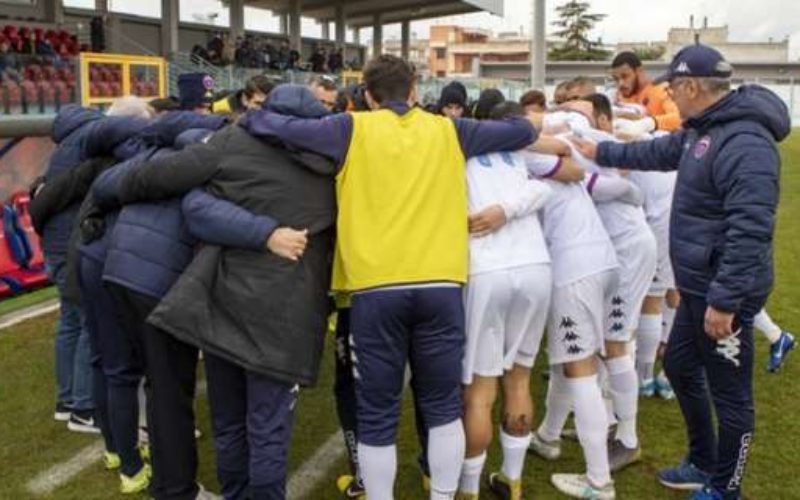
635 87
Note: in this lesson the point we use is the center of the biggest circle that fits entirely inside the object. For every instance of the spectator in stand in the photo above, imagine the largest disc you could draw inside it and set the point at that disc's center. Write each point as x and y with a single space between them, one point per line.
8 60
29 45
534 101
317 60
283 56
199 52
215 47
294 59
335 61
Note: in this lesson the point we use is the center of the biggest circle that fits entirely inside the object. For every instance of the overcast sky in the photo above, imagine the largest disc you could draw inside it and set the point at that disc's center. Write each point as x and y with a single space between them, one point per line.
628 20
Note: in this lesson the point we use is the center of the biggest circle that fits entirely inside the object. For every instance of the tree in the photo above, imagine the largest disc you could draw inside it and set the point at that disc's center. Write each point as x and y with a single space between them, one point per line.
575 22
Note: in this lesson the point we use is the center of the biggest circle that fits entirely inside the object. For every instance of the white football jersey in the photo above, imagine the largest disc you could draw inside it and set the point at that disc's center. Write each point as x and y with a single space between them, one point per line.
503 179
578 242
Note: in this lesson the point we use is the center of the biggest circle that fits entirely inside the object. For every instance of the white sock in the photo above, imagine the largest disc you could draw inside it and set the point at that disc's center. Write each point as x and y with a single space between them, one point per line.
668 317
605 390
592 427
446 448
378 469
625 393
471 474
514 450
764 323
648 336
559 404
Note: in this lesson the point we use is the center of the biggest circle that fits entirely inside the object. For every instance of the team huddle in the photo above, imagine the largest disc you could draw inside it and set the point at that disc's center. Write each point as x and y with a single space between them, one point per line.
455 250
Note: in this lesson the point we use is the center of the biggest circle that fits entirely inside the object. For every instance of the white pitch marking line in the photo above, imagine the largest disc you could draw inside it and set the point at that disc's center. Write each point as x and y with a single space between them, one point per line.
18 317
60 474
316 468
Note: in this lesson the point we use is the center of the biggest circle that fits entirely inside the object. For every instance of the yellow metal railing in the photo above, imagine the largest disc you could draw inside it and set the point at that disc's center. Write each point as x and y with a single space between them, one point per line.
114 73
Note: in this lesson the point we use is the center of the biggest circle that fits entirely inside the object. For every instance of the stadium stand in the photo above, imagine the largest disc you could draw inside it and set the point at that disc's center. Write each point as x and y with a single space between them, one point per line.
21 257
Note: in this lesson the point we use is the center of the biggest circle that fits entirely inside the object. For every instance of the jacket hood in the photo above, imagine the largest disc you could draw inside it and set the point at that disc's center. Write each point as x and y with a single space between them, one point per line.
70 118
164 131
752 103
295 100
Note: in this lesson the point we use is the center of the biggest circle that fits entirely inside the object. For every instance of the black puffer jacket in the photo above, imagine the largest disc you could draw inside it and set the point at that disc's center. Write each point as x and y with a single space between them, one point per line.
262 312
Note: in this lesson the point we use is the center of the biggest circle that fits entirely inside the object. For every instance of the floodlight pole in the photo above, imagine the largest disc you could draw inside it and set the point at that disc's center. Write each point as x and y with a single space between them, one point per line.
538 45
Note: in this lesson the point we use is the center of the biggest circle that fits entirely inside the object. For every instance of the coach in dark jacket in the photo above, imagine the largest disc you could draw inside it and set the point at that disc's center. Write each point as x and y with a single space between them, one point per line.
260 318
723 218
148 248
79 134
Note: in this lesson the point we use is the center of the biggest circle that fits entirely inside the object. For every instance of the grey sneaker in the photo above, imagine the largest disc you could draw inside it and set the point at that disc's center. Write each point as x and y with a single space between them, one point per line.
578 486
203 494
620 456
549 450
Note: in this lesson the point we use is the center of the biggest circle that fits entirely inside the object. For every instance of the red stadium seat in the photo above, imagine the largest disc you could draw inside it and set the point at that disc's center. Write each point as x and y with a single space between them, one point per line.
94 90
13 274
62 92
21 203
30 91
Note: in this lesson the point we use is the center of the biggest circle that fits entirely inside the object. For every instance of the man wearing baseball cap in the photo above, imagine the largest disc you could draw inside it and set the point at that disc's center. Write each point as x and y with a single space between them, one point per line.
723 218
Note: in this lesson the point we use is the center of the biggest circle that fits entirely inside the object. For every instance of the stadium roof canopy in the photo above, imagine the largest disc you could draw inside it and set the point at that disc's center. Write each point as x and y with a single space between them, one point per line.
362 13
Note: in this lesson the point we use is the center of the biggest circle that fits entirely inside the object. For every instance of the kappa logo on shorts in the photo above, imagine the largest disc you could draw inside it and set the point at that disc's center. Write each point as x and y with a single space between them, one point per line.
567 322
574 349
617 301
616 313
617 327
570 335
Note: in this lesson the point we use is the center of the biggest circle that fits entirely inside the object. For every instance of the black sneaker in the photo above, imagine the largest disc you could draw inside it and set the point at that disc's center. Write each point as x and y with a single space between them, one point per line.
63 412
83 421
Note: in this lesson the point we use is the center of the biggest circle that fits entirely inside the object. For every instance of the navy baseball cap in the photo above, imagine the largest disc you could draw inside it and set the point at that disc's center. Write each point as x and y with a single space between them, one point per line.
697 60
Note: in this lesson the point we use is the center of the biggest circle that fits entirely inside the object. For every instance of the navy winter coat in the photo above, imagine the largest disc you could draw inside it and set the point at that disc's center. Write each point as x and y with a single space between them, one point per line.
80 134
723 211
150 245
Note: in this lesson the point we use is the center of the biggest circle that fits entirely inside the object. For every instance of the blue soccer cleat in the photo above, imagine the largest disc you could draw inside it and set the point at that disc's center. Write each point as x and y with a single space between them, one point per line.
779 351
647 388
683 477
664 387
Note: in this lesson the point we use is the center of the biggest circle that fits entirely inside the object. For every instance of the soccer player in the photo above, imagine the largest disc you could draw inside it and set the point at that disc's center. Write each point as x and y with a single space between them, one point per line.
402 252
636 252
635 87
507 298
584 266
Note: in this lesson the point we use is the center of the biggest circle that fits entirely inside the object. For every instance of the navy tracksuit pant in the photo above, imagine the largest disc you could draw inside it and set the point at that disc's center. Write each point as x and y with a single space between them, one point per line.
117 360
704 371
422 326
252 417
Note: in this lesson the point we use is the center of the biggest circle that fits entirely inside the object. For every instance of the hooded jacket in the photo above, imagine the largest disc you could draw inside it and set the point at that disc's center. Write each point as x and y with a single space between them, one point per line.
80 134
260 311
726 195
150 244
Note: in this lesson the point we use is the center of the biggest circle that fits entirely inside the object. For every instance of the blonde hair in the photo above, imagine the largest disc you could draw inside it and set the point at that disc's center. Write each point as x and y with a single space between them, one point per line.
130 105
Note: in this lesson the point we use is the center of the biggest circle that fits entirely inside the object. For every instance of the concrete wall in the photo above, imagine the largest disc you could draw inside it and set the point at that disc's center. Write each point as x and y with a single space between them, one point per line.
16 11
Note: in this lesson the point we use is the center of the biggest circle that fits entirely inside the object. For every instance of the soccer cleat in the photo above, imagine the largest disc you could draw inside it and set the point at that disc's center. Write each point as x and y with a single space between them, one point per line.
578 486
779 351
144 451
683 477
647 388
349 487
139 482
505 488
620 456
204 494
664 387
83 421
63 412
549 450
111 461
707 494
